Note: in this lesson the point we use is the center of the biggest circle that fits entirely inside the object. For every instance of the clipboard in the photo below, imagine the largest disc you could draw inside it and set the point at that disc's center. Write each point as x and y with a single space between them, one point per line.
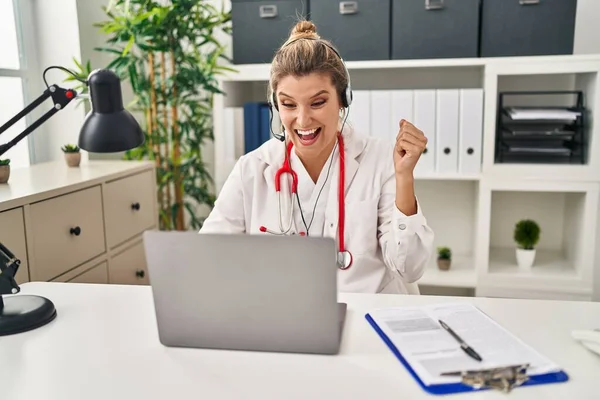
475 380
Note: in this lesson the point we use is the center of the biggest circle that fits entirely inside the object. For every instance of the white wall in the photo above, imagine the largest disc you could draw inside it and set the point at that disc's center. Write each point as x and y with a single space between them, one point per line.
57 42
587 27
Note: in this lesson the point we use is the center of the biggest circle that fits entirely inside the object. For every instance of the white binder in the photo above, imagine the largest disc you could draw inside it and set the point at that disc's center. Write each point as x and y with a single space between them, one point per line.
381 111
424 119
471 131
447 130
359 116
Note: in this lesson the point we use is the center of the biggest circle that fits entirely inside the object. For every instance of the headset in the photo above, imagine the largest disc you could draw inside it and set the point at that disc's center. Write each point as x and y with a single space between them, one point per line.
346 95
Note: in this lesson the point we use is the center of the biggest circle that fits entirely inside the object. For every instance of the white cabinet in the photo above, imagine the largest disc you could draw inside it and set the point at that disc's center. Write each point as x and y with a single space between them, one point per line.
79 224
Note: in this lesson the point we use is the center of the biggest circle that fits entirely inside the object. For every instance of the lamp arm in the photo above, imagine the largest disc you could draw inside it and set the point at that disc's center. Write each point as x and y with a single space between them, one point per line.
61 97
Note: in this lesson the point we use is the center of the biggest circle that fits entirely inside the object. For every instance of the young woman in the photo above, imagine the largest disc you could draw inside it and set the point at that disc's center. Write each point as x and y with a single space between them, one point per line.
383 239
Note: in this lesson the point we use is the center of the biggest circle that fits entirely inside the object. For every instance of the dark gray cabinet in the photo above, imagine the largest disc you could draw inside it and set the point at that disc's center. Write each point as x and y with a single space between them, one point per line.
359 29
435 28
527 27
259 28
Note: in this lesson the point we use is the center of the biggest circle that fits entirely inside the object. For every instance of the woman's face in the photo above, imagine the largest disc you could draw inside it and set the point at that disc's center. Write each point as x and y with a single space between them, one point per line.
309 109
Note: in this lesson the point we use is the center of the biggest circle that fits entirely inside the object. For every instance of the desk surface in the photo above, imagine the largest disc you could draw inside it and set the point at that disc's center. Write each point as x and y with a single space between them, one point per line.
104 345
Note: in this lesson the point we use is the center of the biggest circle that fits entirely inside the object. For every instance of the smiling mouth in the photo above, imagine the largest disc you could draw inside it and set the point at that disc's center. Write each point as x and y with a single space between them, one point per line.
308 136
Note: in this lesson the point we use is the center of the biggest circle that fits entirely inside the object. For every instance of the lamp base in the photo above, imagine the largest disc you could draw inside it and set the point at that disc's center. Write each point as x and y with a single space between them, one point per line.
22 313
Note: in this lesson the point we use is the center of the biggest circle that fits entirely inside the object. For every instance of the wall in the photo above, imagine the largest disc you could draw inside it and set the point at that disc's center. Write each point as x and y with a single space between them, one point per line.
587 30
56 41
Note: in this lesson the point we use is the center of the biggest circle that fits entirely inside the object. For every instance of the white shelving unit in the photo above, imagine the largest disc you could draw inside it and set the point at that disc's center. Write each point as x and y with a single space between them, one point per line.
475 214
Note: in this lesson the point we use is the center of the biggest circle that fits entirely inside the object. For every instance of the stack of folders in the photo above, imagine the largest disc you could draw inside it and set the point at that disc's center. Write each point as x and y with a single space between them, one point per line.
451 119
548 135
434 358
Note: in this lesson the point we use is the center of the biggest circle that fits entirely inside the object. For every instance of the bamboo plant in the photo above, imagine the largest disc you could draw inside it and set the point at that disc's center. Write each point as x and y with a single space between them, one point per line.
169 53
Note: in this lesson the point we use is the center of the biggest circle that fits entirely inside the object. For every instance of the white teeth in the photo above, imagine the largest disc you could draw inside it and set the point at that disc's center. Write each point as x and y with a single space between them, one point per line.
308 132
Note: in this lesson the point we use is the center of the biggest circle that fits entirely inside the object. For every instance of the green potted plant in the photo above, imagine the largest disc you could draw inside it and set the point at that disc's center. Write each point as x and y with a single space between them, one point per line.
526 235
171 53
444 258
4 170
72 155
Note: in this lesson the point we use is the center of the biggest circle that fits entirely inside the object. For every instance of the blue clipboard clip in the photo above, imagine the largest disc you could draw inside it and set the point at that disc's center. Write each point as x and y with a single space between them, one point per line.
501 378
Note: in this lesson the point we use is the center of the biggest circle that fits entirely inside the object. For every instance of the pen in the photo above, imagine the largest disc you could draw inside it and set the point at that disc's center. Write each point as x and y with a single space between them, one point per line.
463 345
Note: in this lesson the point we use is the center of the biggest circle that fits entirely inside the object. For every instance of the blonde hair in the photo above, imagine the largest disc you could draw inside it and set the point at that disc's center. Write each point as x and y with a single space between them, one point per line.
297 57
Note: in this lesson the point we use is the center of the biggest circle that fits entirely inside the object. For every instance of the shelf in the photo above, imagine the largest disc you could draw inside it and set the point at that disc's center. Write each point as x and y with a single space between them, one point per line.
449 177
548 264
260 72
460 275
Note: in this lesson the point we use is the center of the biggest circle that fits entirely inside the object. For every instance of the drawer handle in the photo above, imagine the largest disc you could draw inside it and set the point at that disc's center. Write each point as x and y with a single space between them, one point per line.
470 150
267 11
140 273
348 7
447 150
434 5
529 2
75 231
135 206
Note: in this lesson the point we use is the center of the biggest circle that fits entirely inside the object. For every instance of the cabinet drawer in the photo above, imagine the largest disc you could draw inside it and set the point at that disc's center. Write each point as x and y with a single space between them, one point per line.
435 28
338 21
260 26
527 28
12 236
97 274
129 266
67 231
129 207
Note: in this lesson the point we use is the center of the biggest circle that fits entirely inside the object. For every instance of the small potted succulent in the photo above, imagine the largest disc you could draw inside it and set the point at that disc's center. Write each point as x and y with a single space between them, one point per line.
72 155
444 258
4 170
526 235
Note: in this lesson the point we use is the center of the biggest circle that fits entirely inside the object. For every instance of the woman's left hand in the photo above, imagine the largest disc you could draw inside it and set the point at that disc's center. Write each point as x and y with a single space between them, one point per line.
410 144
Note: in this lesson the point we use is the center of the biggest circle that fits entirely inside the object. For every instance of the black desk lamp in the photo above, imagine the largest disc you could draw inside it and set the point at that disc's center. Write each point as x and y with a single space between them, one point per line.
107 128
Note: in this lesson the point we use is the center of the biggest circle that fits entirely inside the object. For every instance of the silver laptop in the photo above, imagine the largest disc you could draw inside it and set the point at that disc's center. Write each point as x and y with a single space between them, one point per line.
245 292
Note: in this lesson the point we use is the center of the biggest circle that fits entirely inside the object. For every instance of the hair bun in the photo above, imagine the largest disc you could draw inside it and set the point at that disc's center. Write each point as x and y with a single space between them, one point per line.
304 29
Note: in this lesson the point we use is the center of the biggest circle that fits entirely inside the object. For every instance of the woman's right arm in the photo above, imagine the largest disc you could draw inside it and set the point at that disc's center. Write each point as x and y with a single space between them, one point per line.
228 215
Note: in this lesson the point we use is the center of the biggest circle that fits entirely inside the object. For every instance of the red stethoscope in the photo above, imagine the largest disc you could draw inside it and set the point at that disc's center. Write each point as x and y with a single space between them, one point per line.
344 258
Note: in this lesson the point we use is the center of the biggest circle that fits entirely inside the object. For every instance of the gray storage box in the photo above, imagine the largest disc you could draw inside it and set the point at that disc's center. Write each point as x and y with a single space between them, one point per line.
259 28
527 27
435 28
359 29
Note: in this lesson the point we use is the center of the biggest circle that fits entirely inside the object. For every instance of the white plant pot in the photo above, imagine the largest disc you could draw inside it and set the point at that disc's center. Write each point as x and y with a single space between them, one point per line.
525 259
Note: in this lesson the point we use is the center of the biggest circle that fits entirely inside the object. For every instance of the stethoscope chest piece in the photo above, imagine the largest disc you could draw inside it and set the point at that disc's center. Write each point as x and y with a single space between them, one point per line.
344 259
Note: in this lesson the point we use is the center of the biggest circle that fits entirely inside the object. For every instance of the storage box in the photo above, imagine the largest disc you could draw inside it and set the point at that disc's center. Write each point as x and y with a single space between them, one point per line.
435 28
359 29
527 27
259 28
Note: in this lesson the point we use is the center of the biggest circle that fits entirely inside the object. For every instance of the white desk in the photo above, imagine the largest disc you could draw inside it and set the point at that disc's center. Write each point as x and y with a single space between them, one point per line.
104 345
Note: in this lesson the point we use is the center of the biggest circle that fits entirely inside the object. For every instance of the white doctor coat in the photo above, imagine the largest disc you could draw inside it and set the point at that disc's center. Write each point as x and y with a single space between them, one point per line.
389 249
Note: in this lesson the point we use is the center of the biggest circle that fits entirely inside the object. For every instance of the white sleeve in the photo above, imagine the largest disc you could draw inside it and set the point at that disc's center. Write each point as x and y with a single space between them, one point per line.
228 214
406 241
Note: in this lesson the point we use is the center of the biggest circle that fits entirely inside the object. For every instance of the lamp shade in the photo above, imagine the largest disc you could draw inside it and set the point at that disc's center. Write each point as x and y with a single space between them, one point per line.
108 127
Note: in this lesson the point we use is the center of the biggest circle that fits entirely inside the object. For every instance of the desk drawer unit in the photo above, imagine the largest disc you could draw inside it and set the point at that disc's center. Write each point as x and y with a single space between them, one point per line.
97 274
128 267
67 231
129 207
12 236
